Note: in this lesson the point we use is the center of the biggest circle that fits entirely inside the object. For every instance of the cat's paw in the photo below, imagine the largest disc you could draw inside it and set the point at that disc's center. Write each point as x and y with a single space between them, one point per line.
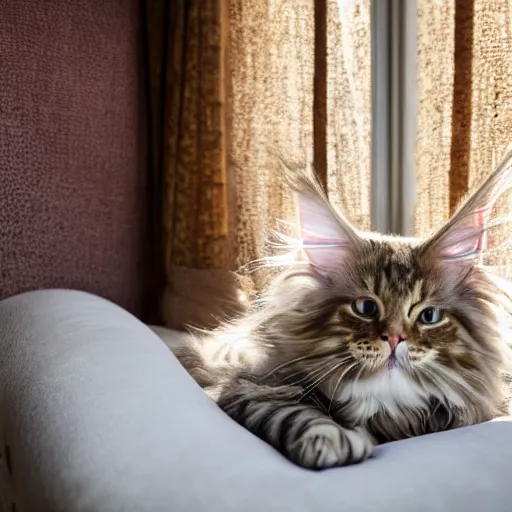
326 445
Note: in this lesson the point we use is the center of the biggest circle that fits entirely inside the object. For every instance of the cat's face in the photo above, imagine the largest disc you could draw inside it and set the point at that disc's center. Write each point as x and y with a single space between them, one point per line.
391 308
409 313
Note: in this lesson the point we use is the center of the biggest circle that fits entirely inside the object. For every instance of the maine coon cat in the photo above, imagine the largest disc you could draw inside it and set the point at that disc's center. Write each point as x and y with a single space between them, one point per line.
364 338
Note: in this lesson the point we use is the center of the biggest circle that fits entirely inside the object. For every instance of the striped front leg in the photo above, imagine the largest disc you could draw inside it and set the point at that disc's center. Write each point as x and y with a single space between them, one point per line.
301 432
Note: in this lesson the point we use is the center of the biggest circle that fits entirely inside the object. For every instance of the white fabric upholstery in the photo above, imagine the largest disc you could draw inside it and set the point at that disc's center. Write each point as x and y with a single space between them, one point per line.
98 416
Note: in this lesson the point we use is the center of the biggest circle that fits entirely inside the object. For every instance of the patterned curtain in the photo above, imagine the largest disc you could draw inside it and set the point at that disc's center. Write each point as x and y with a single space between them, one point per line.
233 84
464 100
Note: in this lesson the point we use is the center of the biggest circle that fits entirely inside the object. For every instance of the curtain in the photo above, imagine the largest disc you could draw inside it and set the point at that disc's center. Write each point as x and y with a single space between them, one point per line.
188 56
464 100
234 84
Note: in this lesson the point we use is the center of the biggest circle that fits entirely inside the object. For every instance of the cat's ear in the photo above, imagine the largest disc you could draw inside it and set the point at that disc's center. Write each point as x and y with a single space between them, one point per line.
466 234
327 238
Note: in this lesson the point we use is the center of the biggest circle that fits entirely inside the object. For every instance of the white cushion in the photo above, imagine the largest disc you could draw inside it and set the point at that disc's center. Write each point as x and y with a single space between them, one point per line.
99 416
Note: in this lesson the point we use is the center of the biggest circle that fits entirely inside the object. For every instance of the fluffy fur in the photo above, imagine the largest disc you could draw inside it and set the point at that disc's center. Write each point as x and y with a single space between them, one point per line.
340 352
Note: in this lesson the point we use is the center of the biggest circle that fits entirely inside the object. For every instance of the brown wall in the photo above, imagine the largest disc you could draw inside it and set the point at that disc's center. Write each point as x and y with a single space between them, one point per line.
72 162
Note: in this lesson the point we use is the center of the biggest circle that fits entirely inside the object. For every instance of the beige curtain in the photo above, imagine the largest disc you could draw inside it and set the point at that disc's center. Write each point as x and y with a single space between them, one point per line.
233 84
465 100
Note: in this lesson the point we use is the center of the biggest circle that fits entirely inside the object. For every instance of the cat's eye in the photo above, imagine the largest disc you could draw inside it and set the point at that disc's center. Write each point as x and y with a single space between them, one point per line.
430 316
365 307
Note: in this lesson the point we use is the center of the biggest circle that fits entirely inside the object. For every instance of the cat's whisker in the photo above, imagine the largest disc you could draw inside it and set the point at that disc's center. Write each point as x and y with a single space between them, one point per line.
338 383
356 379
319 368
311 387
315 369
323 374
285 364
298 360
300 372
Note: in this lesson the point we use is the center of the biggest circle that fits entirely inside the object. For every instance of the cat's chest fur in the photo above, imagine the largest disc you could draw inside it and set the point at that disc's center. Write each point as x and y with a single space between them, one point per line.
388 392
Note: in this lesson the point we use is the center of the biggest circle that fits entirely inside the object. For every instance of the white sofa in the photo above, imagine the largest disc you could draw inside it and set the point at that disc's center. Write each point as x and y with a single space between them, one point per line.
98 416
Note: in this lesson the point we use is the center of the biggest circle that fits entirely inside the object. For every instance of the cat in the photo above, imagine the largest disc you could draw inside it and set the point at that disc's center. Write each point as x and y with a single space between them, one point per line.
364 338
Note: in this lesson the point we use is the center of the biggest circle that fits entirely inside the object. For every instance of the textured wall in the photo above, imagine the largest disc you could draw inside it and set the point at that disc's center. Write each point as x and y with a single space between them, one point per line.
73 173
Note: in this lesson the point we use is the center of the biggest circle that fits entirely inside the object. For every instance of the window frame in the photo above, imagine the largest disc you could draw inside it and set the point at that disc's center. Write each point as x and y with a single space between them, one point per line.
394 115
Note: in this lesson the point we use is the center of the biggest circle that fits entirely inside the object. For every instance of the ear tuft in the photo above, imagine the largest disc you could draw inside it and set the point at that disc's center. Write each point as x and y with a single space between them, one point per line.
327 238
465 235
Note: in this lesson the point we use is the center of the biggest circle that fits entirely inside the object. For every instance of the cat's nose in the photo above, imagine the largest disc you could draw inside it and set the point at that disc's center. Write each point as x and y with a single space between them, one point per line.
392 339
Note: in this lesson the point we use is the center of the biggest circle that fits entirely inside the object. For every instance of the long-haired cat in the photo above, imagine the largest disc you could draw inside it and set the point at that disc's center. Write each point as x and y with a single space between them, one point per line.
364 339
